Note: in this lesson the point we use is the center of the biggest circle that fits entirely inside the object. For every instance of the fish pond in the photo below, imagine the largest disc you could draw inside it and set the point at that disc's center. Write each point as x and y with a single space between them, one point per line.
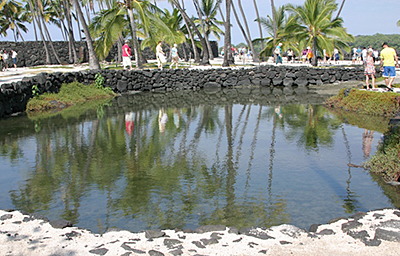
239 157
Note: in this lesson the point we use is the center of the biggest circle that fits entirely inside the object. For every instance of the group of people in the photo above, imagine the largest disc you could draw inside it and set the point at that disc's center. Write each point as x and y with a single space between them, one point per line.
389 63
5 63
161 59
360 55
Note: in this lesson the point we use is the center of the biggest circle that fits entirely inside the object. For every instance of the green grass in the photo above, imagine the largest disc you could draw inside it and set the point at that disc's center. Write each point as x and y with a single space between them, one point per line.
52 67
366 102
386 161
70 94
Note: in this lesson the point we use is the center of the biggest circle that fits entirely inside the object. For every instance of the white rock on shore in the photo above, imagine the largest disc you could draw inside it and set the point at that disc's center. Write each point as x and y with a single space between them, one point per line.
373 233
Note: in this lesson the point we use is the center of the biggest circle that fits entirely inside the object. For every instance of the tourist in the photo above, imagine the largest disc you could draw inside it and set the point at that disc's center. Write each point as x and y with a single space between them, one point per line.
175 56
278 54
336 55
290 55
14 58
249 54
369 69
364 54
5 59
304 56
310 54
326 57
243 52
160 55
1 63
376 55
359 51
126 55
388 59
354 56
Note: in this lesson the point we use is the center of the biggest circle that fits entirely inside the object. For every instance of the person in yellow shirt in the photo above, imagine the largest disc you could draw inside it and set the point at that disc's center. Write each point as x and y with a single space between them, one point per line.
388 59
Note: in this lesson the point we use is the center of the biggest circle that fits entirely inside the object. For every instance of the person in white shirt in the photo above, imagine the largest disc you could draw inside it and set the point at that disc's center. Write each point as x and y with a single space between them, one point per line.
5 59
14 58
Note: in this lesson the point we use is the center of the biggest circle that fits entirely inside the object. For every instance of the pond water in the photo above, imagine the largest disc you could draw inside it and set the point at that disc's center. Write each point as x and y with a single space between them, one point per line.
182 160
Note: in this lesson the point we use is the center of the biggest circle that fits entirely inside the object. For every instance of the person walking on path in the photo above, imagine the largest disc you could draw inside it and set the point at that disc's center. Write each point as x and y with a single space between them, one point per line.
175 56
126 55
388 66
278 53
160 55
14 58
5 59
369 69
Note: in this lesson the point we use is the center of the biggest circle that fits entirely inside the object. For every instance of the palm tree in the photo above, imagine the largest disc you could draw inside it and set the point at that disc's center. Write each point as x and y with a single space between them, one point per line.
93 60
255 55
275 34
107 27
316 27
205 59
273 19
202 28
259 23
340 9
11 14
227 40
129 7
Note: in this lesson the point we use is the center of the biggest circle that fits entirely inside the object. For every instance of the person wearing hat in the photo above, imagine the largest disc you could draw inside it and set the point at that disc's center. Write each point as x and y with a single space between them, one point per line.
126 55
388 66
175 56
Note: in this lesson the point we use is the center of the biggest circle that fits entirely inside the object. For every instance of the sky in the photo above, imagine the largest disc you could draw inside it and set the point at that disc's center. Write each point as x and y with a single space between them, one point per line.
361 17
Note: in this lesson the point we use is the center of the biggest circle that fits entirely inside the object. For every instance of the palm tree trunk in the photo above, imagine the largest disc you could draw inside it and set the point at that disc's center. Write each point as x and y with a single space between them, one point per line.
51 42
227 38
205 59
273 19
67 13
35 19
255 55
210 53
195 52
315 59
134 37
240 25
340 9
259 24
93 60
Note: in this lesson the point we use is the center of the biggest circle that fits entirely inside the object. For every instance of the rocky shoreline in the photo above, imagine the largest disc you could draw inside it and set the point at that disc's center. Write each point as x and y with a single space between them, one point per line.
373 233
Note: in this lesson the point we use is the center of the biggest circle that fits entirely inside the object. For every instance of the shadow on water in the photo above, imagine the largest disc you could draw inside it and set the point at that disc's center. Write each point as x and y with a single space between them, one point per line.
240 157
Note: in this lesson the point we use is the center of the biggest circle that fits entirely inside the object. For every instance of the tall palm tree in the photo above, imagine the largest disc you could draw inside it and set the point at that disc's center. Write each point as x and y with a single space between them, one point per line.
205 59
201 21
259 23
227 39
340 9
107 27
279 34
316 26
11 17
273 19
93 60
255 55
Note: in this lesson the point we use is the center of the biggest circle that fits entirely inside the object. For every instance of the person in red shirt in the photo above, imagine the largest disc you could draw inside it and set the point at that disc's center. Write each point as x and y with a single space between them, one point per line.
126 55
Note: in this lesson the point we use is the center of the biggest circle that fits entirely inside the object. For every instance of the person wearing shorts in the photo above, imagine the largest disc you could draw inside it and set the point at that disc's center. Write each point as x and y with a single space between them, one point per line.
126 55
175 56
388 66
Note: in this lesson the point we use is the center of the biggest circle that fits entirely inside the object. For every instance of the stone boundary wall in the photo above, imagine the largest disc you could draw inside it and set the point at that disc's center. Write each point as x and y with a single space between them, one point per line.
32 53
14 96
